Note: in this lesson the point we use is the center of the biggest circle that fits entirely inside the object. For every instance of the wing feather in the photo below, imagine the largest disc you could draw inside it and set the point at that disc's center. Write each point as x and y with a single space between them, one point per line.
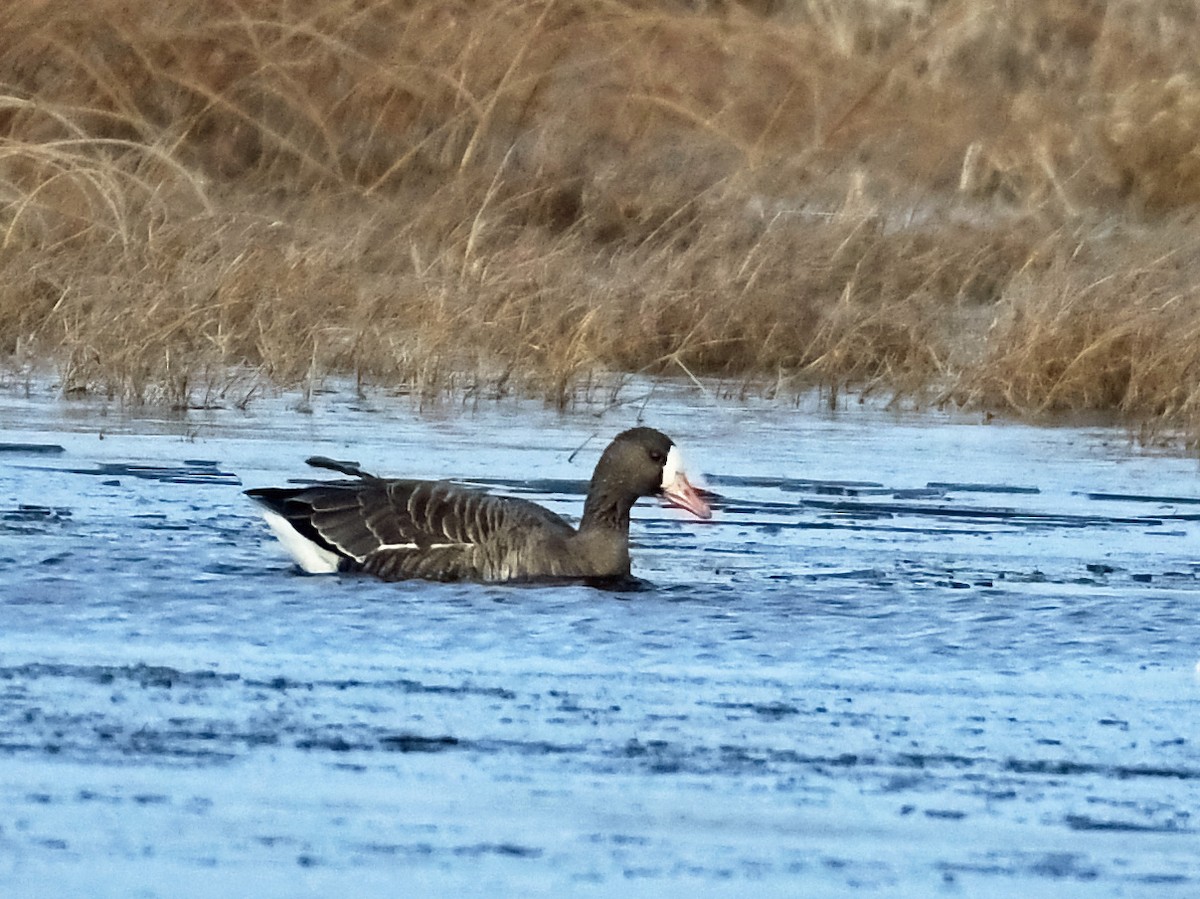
432 529
359 518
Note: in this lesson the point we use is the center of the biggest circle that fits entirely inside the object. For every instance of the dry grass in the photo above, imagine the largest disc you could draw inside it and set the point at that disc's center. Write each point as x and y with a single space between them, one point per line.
986 201
1112 327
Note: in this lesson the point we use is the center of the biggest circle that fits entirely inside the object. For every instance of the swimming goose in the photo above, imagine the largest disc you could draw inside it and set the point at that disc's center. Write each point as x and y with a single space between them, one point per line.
436 530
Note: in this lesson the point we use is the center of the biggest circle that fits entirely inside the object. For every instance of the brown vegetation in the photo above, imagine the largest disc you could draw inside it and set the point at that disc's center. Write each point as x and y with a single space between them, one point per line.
992 203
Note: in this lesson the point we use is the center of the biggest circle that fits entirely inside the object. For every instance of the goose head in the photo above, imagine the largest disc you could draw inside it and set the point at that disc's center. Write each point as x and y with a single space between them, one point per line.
645 462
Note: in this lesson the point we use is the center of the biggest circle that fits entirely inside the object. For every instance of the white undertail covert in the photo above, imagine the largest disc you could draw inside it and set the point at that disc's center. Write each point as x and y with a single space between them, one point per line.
312 558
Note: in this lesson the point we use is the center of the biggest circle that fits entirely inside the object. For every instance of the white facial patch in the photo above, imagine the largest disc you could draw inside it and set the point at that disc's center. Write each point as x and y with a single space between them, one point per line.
312 558
672 467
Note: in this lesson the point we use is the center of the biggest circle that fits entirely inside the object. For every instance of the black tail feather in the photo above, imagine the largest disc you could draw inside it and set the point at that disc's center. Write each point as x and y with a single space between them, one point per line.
350 468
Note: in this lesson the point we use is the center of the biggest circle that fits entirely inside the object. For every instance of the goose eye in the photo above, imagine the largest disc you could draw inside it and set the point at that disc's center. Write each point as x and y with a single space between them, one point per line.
656 456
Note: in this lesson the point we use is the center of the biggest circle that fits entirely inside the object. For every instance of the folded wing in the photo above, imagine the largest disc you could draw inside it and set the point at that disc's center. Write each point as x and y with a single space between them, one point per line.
398 529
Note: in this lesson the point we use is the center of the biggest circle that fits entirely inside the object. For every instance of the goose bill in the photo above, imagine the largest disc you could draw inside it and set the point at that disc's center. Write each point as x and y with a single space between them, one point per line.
682 494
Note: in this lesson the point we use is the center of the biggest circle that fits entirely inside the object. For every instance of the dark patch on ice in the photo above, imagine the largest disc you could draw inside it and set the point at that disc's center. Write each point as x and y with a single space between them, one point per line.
1062 865
30 520
32 449
1120 772
731 480
26 512
770 710
194 471
141 674
953 487
509 850
422 850
1145 498
1086 822
964 513
410 742
922 760
418 743
1055 865
404 685
335 743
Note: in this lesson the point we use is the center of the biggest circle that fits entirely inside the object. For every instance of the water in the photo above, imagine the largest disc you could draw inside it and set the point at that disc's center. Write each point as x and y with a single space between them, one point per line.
911 656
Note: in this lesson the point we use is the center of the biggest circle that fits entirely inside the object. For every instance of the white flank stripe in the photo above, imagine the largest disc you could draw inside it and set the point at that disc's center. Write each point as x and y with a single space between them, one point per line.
384 546
312 558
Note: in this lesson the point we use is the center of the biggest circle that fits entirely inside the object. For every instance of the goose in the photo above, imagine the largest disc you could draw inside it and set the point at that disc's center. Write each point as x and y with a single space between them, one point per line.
396 529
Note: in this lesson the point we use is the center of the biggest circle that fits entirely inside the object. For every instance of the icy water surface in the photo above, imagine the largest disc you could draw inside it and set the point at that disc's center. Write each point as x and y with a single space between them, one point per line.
911 656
